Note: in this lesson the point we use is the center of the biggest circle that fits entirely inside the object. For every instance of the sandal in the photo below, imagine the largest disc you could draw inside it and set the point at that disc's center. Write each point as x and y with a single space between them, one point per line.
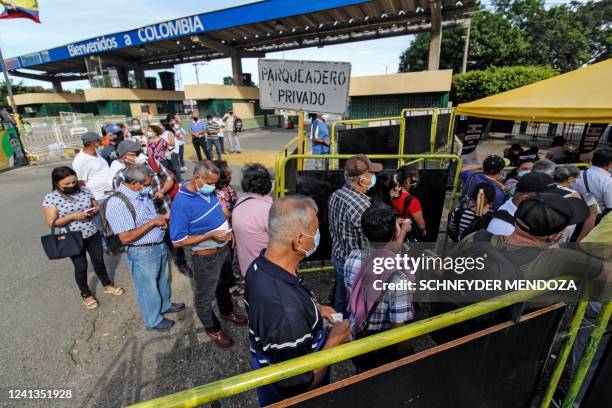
115 291
91 304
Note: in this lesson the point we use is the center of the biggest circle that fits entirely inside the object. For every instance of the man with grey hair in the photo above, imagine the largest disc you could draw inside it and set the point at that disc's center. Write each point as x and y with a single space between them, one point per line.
198 221
130 213
544 166
285 320
346 205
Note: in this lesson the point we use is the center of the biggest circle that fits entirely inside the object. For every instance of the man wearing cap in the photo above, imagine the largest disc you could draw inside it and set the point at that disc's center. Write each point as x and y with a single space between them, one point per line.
93 171
346 205
130 153
492 172
528 186
115 136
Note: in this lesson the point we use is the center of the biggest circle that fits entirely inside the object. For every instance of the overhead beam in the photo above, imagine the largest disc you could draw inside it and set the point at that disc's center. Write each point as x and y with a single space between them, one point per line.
48 78
226 49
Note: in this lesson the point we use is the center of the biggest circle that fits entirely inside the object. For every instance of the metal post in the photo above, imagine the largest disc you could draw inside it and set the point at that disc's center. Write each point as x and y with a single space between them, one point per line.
9 88
565 350
435 43
589 353
195 66
301 141
466 46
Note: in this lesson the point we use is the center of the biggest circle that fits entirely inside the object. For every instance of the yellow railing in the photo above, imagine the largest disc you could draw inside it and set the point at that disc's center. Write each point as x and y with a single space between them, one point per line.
247 381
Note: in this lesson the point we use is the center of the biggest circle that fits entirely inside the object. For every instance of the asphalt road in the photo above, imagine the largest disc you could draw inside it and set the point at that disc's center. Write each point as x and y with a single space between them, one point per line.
104 356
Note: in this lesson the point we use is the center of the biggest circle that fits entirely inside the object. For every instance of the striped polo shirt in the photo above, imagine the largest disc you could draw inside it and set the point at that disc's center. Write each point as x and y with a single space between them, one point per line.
120 218
195 214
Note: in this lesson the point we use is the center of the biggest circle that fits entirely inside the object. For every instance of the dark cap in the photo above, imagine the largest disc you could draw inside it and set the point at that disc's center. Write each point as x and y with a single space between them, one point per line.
493 164
91 137
128 146
548 214
534 183
359 165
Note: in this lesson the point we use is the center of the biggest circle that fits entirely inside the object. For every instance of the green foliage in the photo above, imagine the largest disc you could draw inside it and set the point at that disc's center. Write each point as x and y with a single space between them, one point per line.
523 32
477 84
228 80
18 88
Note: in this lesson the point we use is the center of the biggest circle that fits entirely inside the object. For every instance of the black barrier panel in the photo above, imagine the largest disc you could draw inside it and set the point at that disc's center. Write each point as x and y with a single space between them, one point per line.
319 185
417 134
501 126
442 129
370 140
431 192
599 393
500 370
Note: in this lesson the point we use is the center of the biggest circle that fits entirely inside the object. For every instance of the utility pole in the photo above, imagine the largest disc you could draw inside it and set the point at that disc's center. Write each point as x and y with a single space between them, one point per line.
466 46
9 88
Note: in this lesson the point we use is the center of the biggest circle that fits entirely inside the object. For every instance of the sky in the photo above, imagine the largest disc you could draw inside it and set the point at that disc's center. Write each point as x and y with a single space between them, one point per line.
68 21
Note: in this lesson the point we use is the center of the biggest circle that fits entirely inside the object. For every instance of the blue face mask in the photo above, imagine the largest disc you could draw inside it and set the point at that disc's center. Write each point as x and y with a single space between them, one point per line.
522 173
206 189
146 191
372 181
317 239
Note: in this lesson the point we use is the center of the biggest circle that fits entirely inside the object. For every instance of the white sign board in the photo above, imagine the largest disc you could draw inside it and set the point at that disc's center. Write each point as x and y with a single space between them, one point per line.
310 86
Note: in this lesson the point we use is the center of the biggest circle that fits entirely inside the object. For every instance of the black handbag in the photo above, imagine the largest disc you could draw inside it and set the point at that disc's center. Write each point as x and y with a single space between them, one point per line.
64 245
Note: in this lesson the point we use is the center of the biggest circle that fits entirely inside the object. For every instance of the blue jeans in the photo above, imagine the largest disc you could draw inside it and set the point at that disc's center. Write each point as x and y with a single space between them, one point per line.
209 147
340 295
150 273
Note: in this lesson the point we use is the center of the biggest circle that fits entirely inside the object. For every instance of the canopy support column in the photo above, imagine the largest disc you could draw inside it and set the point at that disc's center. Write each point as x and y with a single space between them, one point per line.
57 85
435 43
237 68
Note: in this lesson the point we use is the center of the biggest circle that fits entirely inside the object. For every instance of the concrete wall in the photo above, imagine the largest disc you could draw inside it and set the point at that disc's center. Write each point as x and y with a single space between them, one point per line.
404 83
213 91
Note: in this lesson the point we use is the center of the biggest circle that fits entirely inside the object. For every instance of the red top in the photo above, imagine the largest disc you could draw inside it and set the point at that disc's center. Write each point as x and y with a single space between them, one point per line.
398 205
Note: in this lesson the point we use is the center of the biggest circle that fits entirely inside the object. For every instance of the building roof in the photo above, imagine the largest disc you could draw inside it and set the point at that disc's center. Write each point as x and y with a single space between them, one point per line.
250 30
583 95
405 83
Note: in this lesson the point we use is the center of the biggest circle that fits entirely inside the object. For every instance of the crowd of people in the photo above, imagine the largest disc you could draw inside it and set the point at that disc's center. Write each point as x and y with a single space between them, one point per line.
141 208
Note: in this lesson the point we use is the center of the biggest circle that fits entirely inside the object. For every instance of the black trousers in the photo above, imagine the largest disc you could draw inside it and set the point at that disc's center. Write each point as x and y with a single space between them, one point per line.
199 145
212 278
92 246
178 254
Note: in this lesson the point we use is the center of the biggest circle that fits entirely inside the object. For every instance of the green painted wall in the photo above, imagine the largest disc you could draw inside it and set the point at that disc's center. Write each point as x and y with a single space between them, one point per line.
112 108
53 109
378 106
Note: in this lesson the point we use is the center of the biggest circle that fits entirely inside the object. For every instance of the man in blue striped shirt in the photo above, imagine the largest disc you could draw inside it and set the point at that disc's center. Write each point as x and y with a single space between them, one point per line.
198 221
146 255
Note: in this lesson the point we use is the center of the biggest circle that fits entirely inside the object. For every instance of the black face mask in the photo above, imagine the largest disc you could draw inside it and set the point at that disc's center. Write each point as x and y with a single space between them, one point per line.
196 119
71 190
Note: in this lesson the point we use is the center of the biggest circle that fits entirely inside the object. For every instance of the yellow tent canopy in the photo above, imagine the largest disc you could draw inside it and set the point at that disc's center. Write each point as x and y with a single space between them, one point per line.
583 95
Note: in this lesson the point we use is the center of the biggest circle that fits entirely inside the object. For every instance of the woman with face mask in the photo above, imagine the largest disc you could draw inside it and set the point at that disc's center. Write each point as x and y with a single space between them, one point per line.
70 207
407 206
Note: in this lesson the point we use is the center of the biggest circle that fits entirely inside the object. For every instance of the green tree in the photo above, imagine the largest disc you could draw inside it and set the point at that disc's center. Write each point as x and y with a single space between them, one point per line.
523 32
18 88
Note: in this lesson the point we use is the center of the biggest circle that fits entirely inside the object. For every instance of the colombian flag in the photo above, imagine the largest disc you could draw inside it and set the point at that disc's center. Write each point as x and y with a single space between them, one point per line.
20 9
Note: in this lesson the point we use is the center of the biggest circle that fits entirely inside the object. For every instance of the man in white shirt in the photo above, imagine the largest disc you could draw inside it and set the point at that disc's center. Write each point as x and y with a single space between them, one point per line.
229 118
93 172
528 186
597 180
91 169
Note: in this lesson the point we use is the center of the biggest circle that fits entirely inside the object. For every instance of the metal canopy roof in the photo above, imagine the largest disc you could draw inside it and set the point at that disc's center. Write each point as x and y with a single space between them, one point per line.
248 30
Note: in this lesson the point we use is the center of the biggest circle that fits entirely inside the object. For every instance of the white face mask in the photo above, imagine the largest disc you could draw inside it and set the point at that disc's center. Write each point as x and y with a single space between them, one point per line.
151 134
140 159
136 127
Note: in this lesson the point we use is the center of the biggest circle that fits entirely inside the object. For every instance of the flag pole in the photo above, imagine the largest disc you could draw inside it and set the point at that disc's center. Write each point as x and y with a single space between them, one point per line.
9 88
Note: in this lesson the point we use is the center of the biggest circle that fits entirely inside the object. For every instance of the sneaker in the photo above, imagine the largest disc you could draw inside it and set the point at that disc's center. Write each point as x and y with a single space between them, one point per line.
186 270
239 152
184 169
164 325
232 151
220 339
175 307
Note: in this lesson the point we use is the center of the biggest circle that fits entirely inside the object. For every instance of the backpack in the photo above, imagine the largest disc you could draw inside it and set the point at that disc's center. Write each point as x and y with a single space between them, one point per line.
175 187
477 224
114 243
238 125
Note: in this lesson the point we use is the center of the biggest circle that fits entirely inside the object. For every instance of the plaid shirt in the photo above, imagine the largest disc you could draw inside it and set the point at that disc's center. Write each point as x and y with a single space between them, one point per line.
346 205
395 305
161 206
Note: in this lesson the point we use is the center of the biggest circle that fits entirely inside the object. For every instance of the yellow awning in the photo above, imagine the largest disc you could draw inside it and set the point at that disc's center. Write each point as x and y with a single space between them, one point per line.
583 95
